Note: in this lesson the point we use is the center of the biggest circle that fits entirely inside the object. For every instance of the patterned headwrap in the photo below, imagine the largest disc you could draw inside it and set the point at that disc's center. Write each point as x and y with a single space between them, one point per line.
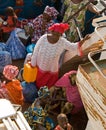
59 27
51 11
43 92
10 71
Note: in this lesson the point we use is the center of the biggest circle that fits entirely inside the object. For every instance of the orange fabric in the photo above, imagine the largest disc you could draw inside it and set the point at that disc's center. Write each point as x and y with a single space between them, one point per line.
19 2
14 89
17 11
7 29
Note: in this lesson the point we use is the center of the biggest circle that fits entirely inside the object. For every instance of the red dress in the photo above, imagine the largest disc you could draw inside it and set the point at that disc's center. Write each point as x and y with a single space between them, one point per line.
10 24
46 78
58 127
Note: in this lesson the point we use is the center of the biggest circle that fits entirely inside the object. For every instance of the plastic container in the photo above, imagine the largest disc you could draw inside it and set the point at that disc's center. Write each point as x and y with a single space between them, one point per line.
29 73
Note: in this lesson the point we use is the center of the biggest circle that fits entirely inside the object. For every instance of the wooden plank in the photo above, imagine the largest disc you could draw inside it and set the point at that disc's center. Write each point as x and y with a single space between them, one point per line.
93 98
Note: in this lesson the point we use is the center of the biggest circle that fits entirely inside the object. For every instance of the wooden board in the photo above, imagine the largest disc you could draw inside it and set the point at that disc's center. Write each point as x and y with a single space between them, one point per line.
92 88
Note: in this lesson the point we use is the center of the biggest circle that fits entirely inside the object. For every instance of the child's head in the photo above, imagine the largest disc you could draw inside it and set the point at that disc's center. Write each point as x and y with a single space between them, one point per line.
10 11
62 120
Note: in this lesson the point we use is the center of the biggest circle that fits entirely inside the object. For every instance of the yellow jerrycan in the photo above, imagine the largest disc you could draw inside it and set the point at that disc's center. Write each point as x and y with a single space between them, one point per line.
29 73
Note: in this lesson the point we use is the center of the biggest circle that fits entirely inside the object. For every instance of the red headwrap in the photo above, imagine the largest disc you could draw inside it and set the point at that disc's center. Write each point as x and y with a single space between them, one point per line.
59 27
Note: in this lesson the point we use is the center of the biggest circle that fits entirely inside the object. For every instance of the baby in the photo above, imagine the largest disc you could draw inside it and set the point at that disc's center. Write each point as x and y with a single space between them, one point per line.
63 123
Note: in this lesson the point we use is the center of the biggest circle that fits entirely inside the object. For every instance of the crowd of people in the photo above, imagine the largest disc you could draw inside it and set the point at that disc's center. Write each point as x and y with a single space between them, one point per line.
54 32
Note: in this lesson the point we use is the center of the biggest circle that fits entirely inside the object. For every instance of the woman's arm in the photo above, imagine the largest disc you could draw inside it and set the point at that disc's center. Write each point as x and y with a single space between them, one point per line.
14 22
75 48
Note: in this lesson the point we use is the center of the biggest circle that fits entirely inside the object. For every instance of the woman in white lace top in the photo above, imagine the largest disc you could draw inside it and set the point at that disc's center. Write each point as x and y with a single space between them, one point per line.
47 53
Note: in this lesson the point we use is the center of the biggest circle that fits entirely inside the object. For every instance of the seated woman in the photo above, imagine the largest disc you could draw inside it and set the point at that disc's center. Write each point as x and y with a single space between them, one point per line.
43 21
9 25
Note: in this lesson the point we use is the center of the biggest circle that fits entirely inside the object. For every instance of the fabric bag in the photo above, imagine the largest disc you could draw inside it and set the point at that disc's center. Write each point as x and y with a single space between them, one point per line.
5 59
3 91
29 91
15 46
2 46
14 89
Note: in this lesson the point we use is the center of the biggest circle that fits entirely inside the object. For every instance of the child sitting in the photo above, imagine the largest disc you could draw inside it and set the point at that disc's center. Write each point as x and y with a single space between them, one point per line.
63 123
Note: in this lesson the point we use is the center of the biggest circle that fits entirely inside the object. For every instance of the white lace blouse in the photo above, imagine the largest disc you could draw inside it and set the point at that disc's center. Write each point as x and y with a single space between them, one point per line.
46 55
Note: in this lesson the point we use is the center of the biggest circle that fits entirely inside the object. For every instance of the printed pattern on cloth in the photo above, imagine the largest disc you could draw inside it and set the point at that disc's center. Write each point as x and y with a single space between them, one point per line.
72 33
15 46
5 59
37 24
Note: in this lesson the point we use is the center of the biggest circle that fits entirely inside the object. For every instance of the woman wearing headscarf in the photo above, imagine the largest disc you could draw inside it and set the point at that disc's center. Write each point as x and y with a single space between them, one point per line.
76 30
47 53
43 21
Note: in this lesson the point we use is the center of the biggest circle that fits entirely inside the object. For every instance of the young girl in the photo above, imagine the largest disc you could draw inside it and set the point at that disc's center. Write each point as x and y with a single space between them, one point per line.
47 53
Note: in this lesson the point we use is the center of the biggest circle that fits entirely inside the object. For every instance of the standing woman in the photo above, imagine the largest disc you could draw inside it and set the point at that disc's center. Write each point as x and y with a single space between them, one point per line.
72 6
47 53
10 24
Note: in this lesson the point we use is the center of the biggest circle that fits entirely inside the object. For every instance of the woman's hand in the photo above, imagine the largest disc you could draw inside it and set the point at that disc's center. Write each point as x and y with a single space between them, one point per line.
81 43
29 62
84 39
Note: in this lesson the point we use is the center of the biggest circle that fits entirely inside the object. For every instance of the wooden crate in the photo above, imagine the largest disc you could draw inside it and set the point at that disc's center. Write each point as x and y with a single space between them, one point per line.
92 88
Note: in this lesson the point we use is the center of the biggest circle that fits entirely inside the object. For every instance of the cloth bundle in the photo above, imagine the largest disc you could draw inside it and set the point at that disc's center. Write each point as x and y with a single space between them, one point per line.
15 47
